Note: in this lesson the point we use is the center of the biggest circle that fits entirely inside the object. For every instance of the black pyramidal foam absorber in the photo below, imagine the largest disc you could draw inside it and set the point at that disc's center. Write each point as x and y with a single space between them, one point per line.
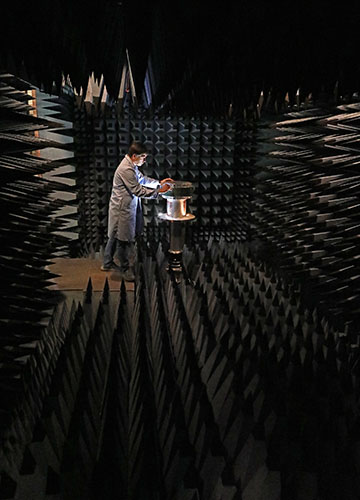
254 373
29 341
188 388
306 210
63 173
193 386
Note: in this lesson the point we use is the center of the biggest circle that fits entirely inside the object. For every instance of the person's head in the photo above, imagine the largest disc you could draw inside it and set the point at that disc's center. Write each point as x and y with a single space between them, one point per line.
137 153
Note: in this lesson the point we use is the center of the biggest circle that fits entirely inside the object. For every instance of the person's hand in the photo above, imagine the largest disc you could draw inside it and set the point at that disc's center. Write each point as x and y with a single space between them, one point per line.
166 184
165 187
168 179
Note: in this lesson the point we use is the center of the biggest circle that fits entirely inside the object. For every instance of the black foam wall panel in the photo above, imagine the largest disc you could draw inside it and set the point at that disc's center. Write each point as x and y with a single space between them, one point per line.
214 154
30 237
306 204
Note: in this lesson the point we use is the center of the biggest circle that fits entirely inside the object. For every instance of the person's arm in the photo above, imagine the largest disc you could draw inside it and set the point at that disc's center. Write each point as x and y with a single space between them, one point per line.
148 181
128 176
161 186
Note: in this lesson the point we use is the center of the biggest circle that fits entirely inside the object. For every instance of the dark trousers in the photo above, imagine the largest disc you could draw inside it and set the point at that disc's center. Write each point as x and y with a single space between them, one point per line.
124 250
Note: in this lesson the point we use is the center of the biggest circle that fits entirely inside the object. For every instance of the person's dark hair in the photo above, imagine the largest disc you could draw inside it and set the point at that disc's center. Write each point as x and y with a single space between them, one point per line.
137 148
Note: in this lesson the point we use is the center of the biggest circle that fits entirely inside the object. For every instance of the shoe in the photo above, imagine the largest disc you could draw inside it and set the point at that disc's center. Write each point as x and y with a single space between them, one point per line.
129 275
110 267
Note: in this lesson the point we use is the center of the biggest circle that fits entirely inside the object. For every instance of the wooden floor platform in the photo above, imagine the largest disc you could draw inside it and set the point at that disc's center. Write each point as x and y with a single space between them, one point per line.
74 274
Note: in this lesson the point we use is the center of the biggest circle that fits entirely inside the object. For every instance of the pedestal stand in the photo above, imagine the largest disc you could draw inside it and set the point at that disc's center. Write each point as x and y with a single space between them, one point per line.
176 214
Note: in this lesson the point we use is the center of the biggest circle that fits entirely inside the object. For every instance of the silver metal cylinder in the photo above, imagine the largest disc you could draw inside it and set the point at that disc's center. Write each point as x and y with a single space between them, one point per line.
176 207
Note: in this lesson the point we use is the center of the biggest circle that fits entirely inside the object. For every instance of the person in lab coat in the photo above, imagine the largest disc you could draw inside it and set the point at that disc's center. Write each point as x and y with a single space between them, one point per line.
125 220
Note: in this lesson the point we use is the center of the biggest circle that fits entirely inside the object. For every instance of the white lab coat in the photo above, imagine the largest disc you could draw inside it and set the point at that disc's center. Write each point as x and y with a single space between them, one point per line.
129 185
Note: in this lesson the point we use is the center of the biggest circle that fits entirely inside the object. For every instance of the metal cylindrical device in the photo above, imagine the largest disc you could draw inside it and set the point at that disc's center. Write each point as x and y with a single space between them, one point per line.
176 214
176 208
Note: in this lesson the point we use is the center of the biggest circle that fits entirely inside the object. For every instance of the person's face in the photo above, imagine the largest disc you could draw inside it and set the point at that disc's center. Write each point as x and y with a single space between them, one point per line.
139 159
